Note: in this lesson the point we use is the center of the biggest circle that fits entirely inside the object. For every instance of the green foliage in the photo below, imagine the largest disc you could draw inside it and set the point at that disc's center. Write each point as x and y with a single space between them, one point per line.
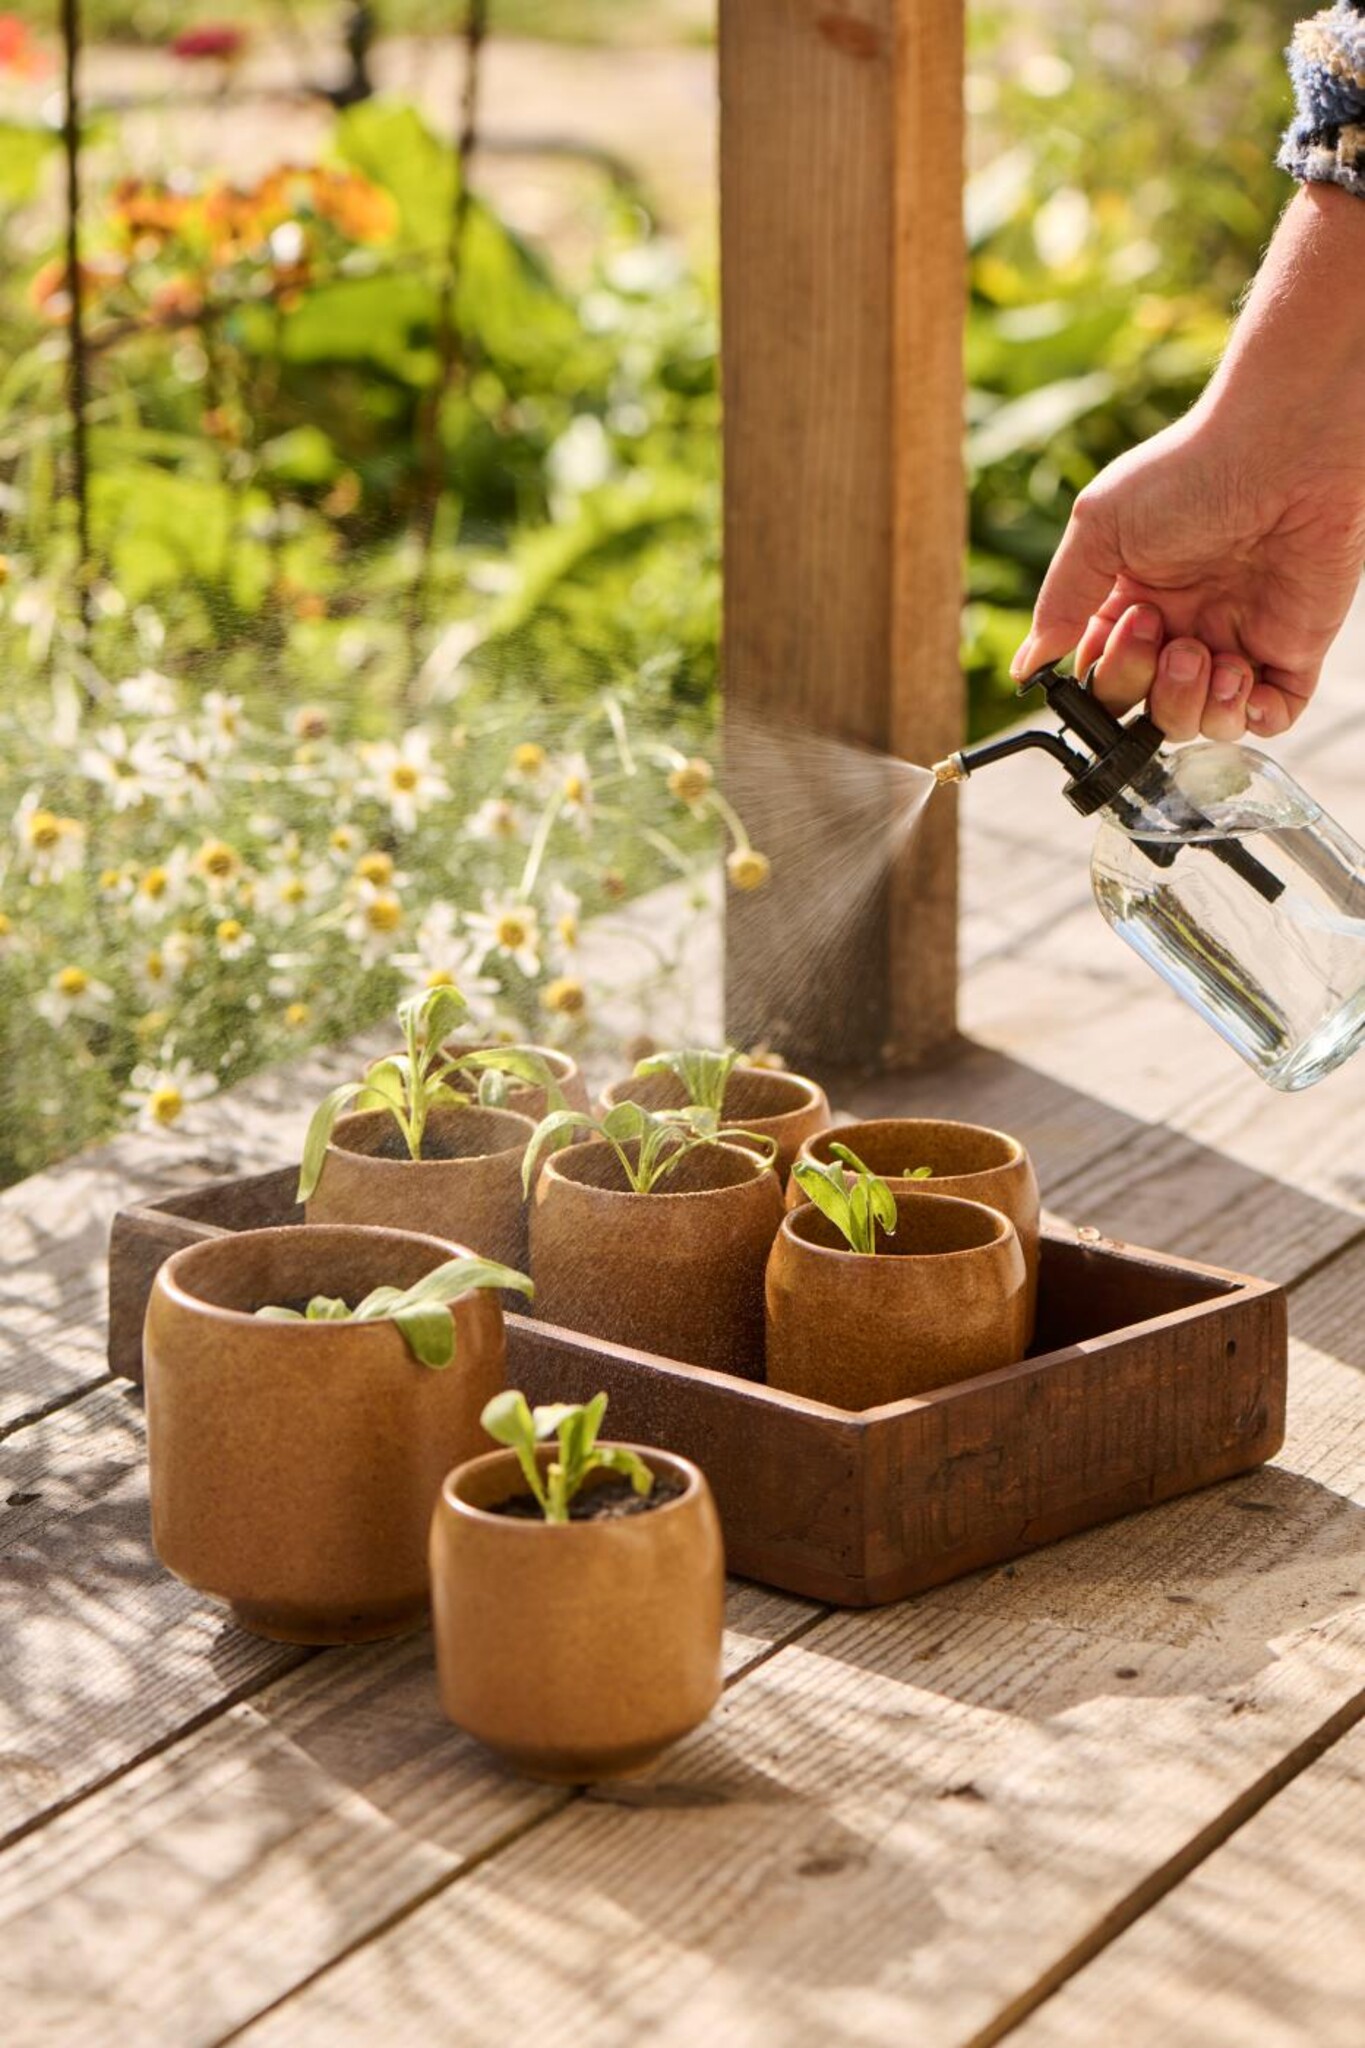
649 1145
856 1202
422 1077
420 1312
509 1419
704 1077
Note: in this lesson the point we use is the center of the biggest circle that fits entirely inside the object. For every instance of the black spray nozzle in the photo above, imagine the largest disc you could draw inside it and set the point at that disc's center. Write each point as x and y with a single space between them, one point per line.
1119 752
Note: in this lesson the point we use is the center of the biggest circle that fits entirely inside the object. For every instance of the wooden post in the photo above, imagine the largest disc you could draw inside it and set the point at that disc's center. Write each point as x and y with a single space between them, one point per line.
842 289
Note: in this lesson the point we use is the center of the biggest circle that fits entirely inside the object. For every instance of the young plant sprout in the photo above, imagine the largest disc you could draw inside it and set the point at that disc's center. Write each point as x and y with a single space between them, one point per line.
704 1076
650 1144
421 1312
917 1173
428 1074
510 1419
855 1202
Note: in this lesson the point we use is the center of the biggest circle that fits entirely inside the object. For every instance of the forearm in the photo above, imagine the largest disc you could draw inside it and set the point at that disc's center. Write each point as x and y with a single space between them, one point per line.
1294 370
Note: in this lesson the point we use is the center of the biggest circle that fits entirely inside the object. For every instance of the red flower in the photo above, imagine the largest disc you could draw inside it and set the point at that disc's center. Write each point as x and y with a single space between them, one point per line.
213 39
17 51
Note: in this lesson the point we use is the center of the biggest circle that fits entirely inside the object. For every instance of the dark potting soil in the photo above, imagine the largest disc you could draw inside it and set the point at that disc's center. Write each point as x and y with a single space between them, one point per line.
435 1145
608 1502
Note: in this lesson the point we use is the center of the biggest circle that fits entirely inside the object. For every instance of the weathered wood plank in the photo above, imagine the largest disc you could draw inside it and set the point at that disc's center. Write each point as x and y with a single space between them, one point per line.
841 255
197 1888
1261 1946
903 1825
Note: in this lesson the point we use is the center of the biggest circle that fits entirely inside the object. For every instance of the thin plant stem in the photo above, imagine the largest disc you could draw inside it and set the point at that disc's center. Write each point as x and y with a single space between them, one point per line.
77 381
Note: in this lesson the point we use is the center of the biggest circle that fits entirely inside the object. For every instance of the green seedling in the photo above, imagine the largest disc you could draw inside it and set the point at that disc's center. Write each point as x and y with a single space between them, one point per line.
428 1074
855 1200
704 1077
917 1173
421 1312
650 1144
510 1419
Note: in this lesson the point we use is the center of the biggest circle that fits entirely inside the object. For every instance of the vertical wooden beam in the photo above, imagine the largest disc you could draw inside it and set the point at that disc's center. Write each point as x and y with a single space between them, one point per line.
841 305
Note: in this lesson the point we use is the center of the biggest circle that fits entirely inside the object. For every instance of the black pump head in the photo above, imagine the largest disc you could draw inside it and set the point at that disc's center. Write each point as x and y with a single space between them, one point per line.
1118 752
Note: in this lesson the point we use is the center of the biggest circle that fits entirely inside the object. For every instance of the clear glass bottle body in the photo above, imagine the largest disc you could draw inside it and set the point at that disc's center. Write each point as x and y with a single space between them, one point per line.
1229 880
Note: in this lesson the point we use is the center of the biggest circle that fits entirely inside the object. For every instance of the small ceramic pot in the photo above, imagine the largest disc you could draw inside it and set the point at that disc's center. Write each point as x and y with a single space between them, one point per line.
471 1193
784 1107
576 1652
529 1101
294 1466
944 1299
678 1272
968 1160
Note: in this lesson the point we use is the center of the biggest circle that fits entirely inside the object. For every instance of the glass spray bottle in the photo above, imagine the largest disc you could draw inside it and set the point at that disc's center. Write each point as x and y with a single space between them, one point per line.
1221 872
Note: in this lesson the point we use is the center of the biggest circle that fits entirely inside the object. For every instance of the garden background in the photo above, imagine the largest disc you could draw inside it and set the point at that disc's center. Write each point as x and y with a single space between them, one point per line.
361 585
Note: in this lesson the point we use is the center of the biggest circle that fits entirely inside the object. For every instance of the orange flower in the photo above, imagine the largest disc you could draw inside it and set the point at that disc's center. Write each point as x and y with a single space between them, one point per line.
146 210
179 299
363 211
17 51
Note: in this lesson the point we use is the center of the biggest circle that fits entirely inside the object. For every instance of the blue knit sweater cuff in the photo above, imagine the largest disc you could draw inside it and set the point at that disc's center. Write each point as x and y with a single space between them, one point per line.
1325 141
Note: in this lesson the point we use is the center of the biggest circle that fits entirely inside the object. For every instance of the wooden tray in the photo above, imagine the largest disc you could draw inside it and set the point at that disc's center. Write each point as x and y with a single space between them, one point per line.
1150 1376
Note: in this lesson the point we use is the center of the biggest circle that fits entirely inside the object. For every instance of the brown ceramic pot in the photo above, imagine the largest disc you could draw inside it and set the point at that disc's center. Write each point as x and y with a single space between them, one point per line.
944 1299
678 1272
472 1194
580 1651
784 1107
529 1101
968 1160
294 1466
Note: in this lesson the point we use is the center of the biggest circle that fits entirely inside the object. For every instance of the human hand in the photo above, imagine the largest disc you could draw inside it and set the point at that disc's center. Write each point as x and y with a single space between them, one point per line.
1209 570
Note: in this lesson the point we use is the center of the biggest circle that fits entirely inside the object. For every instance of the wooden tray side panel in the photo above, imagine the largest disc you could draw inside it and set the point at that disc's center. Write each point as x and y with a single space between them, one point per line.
140 1242
1022 1458
788 1483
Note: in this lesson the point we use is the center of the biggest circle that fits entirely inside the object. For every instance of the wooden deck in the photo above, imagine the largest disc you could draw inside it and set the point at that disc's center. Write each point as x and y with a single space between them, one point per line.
1112 1794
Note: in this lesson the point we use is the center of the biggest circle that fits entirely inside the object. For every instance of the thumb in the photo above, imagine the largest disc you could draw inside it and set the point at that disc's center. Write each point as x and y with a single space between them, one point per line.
1080 578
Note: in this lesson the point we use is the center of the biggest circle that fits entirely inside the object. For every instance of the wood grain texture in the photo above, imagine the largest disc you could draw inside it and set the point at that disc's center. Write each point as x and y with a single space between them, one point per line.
841 259
198 1887
1261 1946
908 1824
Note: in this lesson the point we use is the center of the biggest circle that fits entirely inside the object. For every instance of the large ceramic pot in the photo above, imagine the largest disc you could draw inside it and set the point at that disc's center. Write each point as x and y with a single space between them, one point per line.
678 1272
784 1107
521 1096
466 1185
294 1466
943 1299
967 1160
577 1651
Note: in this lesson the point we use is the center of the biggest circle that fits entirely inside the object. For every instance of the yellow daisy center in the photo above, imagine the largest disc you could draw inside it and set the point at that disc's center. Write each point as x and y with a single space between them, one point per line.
528 758
565 997
293 891
165 1103
375 867
44 830
691 782
73 981
218 860
154 883
575 789
109 879
567 928
403 777
440 977
230 930
6 924
154 966
342 839
512 931
384 914
296 1016
748 868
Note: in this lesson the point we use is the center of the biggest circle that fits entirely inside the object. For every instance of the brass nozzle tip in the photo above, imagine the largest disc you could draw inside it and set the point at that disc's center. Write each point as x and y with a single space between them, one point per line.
949 770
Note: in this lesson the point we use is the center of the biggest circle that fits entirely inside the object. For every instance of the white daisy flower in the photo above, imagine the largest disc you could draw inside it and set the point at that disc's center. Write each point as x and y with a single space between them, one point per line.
497 820
222 722
162 888
72 992
375 925
162 1095
508 929
563 908
50 846
149 694
124 769
288 892
232 938
189 767
404 777
575 791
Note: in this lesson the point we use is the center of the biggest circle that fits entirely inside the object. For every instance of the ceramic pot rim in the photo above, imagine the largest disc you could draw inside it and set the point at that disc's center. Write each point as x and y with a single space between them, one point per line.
671 1461
550 1171
812 1094
430 1166
1016 1153
907 1193
169 1281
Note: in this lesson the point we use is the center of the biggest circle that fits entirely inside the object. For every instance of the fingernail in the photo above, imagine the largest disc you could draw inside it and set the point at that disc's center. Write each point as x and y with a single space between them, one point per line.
1183 662
1020 665
1147 626
1229 679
